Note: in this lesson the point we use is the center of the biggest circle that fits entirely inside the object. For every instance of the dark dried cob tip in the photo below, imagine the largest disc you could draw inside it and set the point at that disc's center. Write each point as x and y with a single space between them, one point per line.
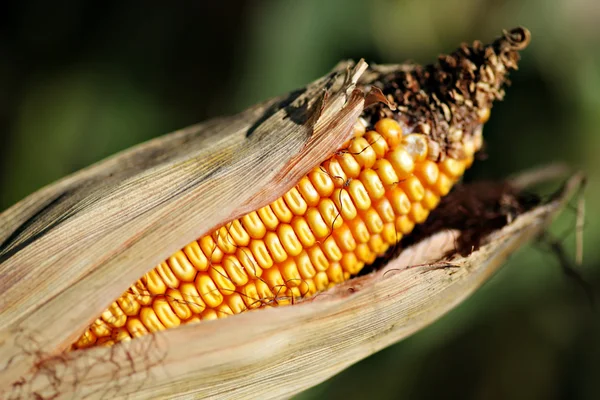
449 100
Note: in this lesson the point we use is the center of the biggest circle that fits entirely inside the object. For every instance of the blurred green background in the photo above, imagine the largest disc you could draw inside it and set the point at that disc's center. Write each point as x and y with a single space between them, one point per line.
82 80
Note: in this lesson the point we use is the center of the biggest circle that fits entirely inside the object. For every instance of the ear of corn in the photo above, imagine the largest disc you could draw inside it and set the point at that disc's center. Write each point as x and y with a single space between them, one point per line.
77 244
342 215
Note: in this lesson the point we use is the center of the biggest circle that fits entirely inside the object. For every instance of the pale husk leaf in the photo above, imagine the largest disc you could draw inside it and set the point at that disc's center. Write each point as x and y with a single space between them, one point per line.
70 249
276 353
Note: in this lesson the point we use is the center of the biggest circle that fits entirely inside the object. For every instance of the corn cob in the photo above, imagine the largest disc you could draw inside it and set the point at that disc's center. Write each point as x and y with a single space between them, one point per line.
340 217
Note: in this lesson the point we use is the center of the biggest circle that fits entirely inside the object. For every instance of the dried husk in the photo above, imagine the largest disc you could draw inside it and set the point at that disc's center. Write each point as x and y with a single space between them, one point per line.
278 352
70 249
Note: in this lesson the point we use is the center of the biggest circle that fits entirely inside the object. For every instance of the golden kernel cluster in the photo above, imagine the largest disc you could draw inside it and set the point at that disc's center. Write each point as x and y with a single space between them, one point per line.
341 216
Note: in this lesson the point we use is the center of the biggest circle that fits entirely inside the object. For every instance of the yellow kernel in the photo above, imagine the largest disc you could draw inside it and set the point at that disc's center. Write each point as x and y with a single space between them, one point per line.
378 245
321 181
235 271
413 188
114 316
224 240
344 239
196 256
468 161
249 263
335 273
295 202
303 232
316 223
399 201
86 340
305 266
224 311
349 164
331 249
273 278
364 253
308 287
443 185
386 172
350 263
330 214
282 298
452 167
261 254
168 277
469 150
318 258
150 320
343 202
335 171
282 212
100 328
430 200
154 282
299 291
385 210
263 290
390 234
178 304
363 152
275 247
165 314
182 267
308 192
404 224
220 278
209 292
418 213
141 293
321 280
372 221
236 303
136 328
290 273
129 304
484 115
416 145
238 233
372 183
210 249
254 225
192 298
427 171
390 130
193 320
122 335
250 295
377 142
289 240
359 195
268 217
209 314
401 161
359 230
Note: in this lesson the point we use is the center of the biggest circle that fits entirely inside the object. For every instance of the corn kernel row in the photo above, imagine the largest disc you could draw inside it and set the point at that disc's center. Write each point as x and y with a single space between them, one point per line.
341 216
